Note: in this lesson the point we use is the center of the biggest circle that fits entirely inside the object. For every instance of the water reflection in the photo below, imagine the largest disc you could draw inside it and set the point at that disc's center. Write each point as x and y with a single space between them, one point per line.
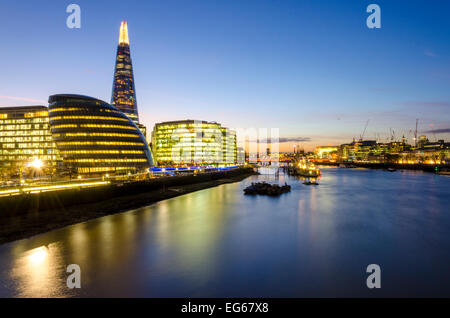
313 241
35 272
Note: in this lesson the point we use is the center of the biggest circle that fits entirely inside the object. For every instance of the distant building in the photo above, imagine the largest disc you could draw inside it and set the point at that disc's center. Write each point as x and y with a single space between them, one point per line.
370 151
428 152
423 140
191 142
326 152
241 155
94 137
24 136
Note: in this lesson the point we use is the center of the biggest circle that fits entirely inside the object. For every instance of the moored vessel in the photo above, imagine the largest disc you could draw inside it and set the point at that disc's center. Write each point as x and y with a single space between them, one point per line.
307 169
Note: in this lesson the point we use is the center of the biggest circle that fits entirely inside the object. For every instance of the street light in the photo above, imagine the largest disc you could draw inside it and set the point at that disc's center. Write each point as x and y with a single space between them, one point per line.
36 163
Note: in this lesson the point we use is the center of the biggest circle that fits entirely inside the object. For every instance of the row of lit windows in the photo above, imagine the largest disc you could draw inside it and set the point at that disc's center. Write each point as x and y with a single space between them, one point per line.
188 125
24 139
24 133
26 158
108 126
178 151
72 109
198 151
123 72
83 134
27 151
187 147
182 132
24 121
115 143
92 126
68 109
28 115
89 117
36 114
209 159
24 127
100 169
69 152
89 160
28 145
186 144
190 157
64 126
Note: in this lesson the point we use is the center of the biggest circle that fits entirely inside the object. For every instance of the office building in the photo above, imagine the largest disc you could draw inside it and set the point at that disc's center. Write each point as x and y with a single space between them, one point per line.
191 142
94 137
24 137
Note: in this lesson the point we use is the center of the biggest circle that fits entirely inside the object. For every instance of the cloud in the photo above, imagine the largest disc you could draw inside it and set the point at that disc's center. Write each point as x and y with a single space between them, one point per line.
294 139
437 131
25 99
427 104
429 53
285 139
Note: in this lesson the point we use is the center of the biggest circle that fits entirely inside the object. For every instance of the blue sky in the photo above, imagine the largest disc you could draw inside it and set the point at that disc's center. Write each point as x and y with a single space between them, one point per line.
310 68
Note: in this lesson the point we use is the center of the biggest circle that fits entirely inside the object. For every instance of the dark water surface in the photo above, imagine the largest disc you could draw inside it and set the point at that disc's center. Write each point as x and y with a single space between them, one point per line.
314 241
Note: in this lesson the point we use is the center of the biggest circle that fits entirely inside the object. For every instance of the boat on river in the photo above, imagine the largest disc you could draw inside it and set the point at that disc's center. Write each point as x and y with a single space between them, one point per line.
265 188
307 169
310 182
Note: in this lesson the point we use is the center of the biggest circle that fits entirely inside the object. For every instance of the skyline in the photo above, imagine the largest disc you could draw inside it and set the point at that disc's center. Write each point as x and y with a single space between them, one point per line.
272 67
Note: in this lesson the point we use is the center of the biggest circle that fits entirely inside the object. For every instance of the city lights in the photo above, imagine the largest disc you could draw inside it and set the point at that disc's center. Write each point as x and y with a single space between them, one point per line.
36 163
243 173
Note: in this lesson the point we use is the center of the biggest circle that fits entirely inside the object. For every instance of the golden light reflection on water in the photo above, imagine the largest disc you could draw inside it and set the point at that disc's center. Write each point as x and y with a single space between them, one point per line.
38 272
38 255
193 247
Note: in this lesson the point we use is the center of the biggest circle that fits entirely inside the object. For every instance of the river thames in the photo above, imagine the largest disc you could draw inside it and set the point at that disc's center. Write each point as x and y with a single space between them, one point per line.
315 241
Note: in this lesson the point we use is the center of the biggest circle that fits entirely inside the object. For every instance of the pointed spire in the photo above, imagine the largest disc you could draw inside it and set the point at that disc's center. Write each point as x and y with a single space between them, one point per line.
123 36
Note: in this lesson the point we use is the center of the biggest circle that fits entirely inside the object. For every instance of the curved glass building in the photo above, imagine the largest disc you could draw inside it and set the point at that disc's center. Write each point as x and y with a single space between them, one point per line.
94 137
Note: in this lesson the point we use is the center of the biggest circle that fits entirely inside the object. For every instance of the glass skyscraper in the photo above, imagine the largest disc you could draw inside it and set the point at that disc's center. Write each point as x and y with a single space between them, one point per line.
123 91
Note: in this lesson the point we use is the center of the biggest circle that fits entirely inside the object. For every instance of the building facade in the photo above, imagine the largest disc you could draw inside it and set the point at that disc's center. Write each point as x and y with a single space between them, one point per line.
191 142
326 152
428 153
123 91
25 136
94 137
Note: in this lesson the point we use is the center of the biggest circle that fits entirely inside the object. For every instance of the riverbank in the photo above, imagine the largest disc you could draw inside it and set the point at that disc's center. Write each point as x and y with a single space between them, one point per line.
397 166
34 214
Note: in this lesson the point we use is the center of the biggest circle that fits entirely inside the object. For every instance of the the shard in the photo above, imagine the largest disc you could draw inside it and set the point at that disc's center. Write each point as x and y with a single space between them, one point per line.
123 91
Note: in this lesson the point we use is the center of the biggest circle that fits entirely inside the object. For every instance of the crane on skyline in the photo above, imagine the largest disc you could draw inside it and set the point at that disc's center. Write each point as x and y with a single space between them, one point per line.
364 131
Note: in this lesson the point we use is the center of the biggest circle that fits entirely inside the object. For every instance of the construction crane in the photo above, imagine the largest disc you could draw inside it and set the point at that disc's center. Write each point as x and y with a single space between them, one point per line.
415 133
364 131
392 134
